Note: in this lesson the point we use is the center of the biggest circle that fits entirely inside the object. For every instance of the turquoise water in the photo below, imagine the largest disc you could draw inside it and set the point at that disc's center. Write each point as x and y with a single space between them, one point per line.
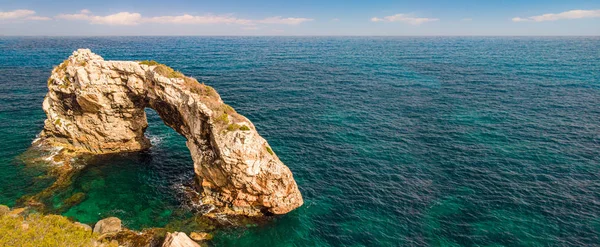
393 141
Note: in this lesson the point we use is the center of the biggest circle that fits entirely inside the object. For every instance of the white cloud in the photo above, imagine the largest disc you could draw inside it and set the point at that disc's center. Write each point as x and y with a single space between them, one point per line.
250 28
335 19
281 20
38 18
404 18
127 18
22 14
202 19
121 18
571 14
16 14
83 15
467 19
519 19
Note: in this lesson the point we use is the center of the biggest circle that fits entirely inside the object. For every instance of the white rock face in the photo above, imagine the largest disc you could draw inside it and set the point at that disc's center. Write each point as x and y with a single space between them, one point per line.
96 106
108 225
179 239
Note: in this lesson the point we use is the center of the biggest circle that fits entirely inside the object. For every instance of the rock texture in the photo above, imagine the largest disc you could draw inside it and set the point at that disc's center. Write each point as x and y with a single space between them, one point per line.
108 225
4 210
179 239
96 107
200 236
152 237
84 226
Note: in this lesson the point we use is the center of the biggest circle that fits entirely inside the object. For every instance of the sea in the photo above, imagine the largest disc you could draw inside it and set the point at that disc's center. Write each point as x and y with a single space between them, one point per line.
393 141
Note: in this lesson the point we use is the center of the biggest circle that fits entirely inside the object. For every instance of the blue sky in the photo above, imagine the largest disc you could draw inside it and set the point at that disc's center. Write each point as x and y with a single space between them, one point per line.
307 17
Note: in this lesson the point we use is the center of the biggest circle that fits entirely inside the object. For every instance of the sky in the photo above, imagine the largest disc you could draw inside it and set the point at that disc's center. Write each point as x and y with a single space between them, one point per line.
306 17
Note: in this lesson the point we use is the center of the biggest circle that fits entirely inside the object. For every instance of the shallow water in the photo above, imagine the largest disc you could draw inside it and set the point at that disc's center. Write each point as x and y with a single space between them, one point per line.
393 141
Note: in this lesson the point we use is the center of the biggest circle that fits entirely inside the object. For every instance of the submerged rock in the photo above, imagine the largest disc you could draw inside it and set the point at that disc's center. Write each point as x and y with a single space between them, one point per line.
96 107
179 239
74 199
108 225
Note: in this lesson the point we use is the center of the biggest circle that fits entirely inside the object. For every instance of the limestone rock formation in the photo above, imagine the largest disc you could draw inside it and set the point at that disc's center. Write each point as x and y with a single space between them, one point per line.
152 237
96 107
108 225
179 239
84 226
200 236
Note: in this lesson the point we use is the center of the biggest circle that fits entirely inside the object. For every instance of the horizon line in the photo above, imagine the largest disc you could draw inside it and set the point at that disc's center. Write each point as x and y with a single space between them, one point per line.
291 35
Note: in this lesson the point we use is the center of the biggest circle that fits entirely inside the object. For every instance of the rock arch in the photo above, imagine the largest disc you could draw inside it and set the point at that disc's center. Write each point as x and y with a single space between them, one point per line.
96 107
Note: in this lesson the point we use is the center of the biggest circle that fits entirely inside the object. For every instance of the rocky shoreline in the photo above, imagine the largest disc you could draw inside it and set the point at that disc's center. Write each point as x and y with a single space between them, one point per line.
96 107
21 223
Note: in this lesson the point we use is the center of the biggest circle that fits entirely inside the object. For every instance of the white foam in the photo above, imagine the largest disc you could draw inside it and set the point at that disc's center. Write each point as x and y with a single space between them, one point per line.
154 139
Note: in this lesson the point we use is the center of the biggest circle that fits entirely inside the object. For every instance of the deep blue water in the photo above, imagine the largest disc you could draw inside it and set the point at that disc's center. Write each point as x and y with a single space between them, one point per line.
406 141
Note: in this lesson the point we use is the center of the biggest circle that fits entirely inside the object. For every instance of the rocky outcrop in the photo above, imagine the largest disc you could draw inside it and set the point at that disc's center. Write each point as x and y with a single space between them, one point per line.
96 107
179 239
86 227
18 211
200 236
152 237
108 225
4 210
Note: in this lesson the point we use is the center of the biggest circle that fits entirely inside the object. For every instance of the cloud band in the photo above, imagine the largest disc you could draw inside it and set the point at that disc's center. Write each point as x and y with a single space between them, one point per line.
131 19
571 14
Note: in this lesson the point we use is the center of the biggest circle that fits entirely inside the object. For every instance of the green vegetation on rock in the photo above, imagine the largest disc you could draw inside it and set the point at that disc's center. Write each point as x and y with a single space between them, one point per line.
62 66
227 109
149 62
233 127
37 230
167 71
223 118
192 84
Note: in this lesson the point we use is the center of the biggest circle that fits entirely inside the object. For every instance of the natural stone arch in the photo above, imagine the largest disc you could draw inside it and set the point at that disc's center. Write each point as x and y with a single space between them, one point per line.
96 106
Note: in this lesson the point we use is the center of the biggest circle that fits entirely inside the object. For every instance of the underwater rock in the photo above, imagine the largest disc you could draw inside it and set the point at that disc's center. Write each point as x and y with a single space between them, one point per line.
95 106
74 199
179 239
108 225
